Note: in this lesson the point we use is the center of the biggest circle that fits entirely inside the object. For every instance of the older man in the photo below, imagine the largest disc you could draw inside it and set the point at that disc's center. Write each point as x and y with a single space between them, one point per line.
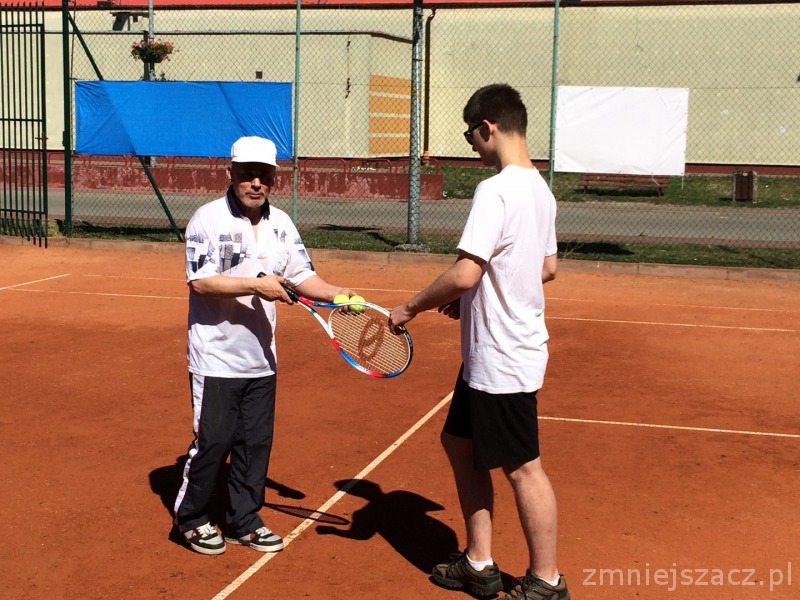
231 346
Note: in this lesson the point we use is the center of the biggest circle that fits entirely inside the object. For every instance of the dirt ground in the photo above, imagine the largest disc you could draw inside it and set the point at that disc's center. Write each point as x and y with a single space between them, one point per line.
670 430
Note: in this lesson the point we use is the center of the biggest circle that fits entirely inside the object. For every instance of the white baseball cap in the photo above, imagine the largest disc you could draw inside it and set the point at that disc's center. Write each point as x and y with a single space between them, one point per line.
254 149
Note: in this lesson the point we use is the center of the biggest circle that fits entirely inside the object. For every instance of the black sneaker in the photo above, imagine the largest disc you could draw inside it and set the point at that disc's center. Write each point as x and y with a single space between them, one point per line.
532 587
205 540
262 539
458 574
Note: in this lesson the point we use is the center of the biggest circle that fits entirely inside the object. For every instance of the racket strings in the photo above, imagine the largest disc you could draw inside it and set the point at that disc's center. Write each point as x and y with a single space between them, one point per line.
366 339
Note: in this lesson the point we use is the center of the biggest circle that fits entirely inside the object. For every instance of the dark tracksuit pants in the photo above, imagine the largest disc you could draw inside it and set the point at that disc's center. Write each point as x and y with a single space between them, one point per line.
236 417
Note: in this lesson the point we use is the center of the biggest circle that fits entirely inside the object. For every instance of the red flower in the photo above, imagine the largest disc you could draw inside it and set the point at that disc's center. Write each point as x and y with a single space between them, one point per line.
152 51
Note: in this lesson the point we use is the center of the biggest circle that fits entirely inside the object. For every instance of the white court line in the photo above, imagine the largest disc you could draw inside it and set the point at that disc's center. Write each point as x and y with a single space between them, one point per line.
254 568
386 290
595 301
128 277
433 310
700 306
675 427
671 324
103 294
393 290
16 285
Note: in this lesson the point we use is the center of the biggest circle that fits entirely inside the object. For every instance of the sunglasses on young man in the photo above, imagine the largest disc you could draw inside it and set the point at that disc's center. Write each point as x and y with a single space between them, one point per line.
468 133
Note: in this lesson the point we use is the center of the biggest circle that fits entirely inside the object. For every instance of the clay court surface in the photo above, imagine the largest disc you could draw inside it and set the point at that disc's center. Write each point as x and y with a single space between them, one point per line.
670 430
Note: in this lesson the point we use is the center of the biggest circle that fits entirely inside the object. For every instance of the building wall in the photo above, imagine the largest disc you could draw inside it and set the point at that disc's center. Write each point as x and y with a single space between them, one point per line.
740 62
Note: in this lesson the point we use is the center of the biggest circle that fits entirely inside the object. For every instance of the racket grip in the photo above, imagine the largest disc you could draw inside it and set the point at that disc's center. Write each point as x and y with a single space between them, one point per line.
289 292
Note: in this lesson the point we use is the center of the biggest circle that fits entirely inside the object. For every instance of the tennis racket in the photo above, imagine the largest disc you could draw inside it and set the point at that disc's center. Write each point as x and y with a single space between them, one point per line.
362 336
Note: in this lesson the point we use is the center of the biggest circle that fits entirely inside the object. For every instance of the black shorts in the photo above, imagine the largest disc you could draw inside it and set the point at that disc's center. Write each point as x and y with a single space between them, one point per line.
504 428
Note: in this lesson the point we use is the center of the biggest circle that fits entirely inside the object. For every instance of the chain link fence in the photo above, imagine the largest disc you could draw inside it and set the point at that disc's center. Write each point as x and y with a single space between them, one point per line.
739 61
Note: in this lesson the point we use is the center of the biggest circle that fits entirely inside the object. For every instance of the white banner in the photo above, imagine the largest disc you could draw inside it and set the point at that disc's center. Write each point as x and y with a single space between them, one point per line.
637 131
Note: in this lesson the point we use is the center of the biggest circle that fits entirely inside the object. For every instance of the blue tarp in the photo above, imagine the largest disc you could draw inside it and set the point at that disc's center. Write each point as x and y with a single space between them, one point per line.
180 118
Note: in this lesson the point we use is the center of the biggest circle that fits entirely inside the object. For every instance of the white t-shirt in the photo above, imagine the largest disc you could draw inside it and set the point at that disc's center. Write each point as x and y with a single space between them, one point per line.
511 225
235 337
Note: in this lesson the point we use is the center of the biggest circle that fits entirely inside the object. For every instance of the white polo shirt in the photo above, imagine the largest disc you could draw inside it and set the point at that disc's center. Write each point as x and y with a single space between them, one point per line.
511 225
235 337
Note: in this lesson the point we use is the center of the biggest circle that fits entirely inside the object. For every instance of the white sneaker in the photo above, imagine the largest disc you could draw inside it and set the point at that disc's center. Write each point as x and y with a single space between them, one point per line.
205 540
262 539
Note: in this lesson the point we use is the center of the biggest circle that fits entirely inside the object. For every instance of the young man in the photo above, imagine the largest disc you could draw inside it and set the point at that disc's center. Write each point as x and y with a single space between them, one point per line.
506 252
231 346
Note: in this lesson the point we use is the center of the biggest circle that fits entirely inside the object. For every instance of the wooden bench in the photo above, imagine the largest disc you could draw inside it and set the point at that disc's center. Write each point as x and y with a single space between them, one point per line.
617 180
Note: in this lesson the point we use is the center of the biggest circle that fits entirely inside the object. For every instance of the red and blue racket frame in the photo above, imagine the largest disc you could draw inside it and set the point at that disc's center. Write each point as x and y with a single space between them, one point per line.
360 333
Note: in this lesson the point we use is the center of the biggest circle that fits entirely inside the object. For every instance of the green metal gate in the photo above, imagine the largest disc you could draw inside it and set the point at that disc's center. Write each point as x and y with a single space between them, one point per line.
23 151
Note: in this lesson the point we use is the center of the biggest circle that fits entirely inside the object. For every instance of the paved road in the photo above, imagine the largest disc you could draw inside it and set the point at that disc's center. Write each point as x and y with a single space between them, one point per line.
749 225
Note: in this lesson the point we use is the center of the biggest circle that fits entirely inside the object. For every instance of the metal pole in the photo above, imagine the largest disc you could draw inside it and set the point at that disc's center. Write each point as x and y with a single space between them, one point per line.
295 128
426 112
413 153
42 102
67 135
150 68
150 30
553 93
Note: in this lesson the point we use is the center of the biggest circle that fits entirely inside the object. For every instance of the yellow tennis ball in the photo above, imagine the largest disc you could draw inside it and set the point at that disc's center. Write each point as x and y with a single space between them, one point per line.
357 299
341 299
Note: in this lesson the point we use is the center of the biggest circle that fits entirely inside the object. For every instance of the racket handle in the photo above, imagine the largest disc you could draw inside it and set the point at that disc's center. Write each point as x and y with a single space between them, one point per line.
289 292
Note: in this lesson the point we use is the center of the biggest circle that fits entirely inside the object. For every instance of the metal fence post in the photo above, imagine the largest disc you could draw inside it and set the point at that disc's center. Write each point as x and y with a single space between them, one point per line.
412 236
553 95
67 133
296 129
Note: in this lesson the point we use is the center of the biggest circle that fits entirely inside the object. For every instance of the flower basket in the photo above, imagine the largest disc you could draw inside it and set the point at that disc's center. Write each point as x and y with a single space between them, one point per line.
152 51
